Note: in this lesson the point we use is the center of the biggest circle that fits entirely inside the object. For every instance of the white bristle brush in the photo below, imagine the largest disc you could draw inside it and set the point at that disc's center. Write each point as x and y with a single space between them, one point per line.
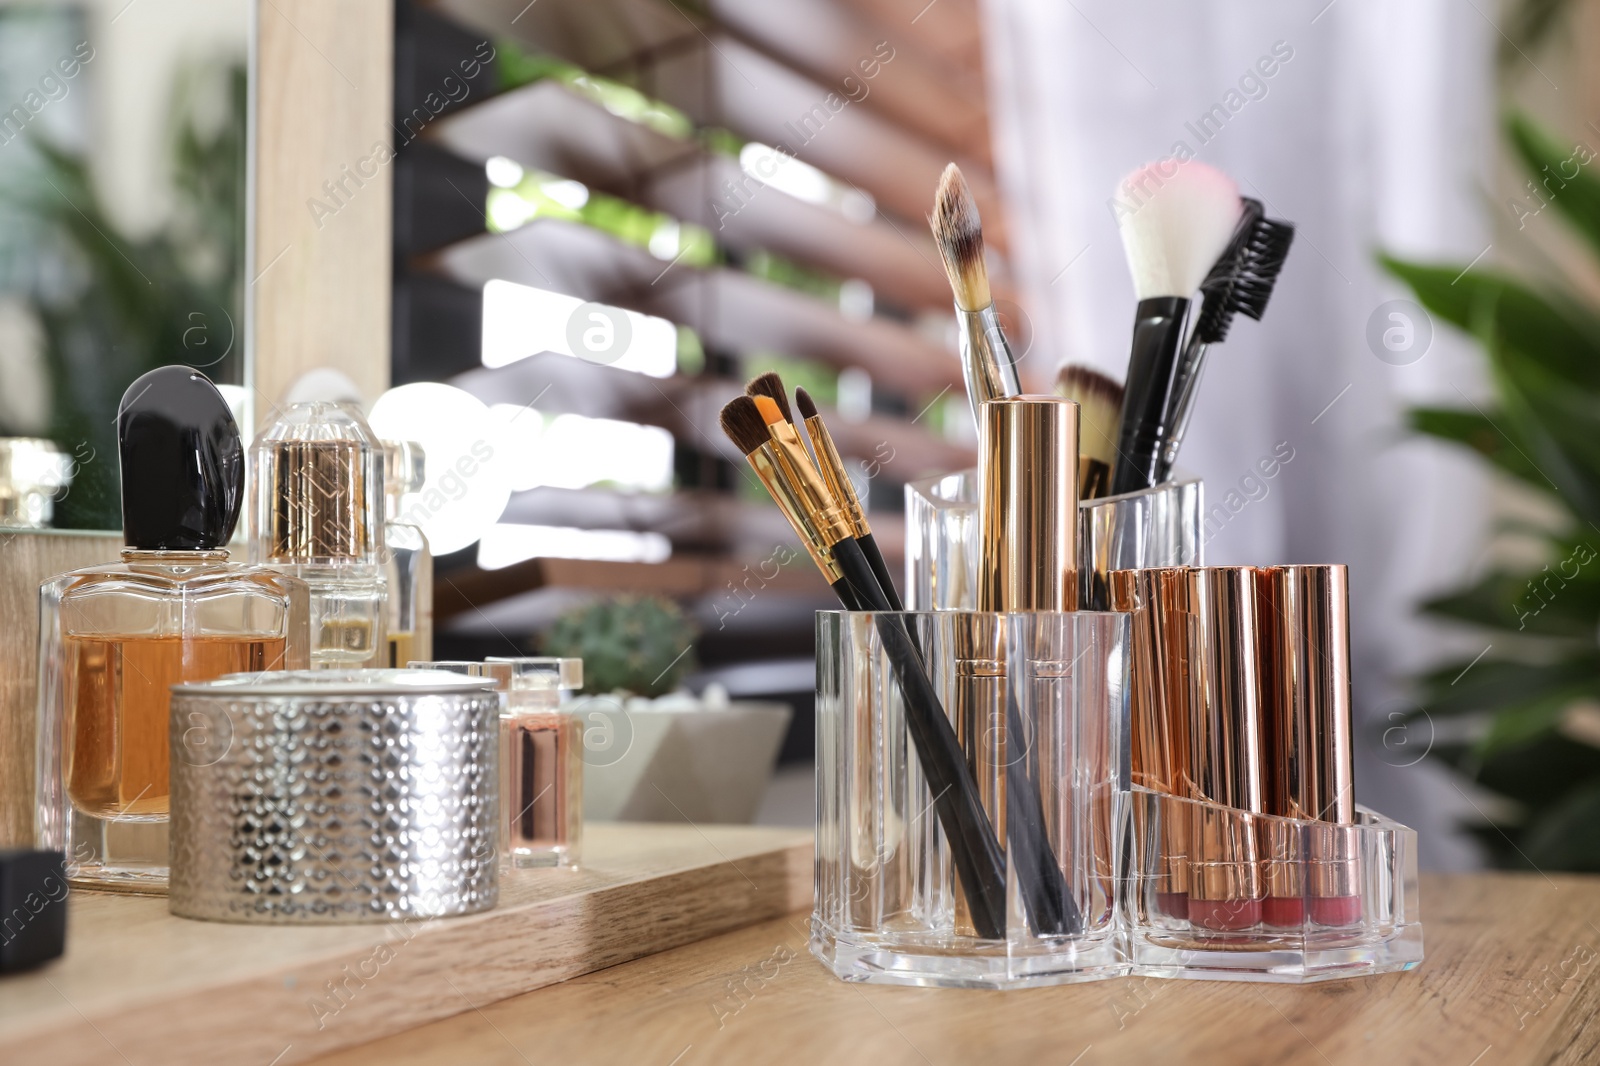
1175 219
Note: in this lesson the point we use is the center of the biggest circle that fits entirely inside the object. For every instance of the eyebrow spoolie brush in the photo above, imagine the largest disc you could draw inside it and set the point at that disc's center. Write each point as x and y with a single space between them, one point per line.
795 485
1241 282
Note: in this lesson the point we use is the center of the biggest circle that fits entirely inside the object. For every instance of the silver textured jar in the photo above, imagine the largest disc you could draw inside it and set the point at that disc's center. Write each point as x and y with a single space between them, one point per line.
334 797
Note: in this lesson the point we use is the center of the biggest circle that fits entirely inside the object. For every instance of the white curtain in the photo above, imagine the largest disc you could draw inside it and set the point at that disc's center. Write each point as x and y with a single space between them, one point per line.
1369 124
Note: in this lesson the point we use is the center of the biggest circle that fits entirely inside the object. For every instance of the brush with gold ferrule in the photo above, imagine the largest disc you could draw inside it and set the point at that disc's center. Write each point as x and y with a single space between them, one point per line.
771 386
1099 400
987 365
802 497
831 464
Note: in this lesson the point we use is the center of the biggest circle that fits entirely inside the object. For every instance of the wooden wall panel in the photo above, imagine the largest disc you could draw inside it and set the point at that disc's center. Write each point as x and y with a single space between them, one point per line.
27 558
323 179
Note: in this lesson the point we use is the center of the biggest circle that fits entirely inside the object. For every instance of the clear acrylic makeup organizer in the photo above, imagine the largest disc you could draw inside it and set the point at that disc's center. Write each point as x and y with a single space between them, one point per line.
1343 899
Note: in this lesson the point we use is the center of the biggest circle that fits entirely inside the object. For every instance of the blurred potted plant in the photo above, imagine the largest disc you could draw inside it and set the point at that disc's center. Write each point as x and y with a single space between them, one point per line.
640 645
1532 699
677 757
117 307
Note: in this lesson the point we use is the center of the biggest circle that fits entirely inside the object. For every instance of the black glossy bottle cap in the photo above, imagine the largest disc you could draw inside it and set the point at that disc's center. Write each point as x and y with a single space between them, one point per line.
182 462
33 904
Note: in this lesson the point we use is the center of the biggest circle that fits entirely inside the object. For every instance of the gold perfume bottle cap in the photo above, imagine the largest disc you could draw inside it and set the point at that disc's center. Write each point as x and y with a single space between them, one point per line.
318 487
1028 504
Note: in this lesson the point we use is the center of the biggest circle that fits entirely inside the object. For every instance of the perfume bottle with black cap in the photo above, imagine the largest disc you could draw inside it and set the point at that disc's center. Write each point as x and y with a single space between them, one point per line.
115 639
317 497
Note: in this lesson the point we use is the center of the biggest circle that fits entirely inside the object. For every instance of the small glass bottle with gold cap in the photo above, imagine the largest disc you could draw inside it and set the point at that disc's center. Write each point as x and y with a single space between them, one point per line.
317 498
407 562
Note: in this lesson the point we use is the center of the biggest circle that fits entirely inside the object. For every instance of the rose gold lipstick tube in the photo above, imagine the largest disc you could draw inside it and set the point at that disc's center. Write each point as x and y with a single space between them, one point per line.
1159 697
1310 735
1225 755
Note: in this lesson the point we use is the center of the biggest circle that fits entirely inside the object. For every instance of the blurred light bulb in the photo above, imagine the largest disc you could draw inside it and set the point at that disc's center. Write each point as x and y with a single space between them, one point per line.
855 300
506 544
521 320
503 172
468 464
568 193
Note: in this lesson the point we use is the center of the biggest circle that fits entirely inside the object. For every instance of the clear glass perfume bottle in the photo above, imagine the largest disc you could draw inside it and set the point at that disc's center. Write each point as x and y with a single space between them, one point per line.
317 501
114 639
541 764
407 562
541 756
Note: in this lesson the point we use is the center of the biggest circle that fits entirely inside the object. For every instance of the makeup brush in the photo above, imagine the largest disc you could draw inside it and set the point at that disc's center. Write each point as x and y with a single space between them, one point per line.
844 491
1099 400
986 361
1240 282
1175 219
803 499
771 386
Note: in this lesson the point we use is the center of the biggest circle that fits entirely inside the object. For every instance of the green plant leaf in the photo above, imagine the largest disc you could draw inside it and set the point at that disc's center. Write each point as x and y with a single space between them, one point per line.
1490 684
1548 330
1527 24
1525 721
1537 774
1567 836
1560 175
1563 441
1481 432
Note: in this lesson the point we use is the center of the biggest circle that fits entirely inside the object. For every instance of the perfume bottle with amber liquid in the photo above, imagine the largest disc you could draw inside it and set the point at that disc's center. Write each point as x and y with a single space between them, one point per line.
407 560
115 639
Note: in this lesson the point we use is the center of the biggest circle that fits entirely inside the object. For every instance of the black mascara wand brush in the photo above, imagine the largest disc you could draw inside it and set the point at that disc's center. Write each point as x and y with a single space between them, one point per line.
1240 283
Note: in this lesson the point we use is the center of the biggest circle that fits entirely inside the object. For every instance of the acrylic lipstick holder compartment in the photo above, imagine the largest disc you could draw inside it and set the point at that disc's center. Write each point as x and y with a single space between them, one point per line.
1038 698
1159 526
1217 892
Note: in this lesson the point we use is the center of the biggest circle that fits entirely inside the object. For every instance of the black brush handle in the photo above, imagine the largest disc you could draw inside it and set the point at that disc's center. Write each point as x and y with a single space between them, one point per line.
1185 384
880 570
974 847
1051 909
1152 361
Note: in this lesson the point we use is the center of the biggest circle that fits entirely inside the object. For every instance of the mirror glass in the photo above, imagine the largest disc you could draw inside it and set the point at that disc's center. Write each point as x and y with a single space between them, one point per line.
122 220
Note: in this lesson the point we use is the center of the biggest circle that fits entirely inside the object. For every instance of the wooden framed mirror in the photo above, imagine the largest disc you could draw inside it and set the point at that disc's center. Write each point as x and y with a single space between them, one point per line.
163 163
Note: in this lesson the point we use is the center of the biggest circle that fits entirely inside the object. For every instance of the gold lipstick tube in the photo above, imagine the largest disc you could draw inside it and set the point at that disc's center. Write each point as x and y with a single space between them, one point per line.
1028 561
1312 740
1028 504
1225 758
977 713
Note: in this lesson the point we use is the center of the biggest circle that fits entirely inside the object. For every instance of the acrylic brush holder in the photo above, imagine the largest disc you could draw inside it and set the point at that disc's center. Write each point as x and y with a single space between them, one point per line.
1159 526
1039 704
1217 892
